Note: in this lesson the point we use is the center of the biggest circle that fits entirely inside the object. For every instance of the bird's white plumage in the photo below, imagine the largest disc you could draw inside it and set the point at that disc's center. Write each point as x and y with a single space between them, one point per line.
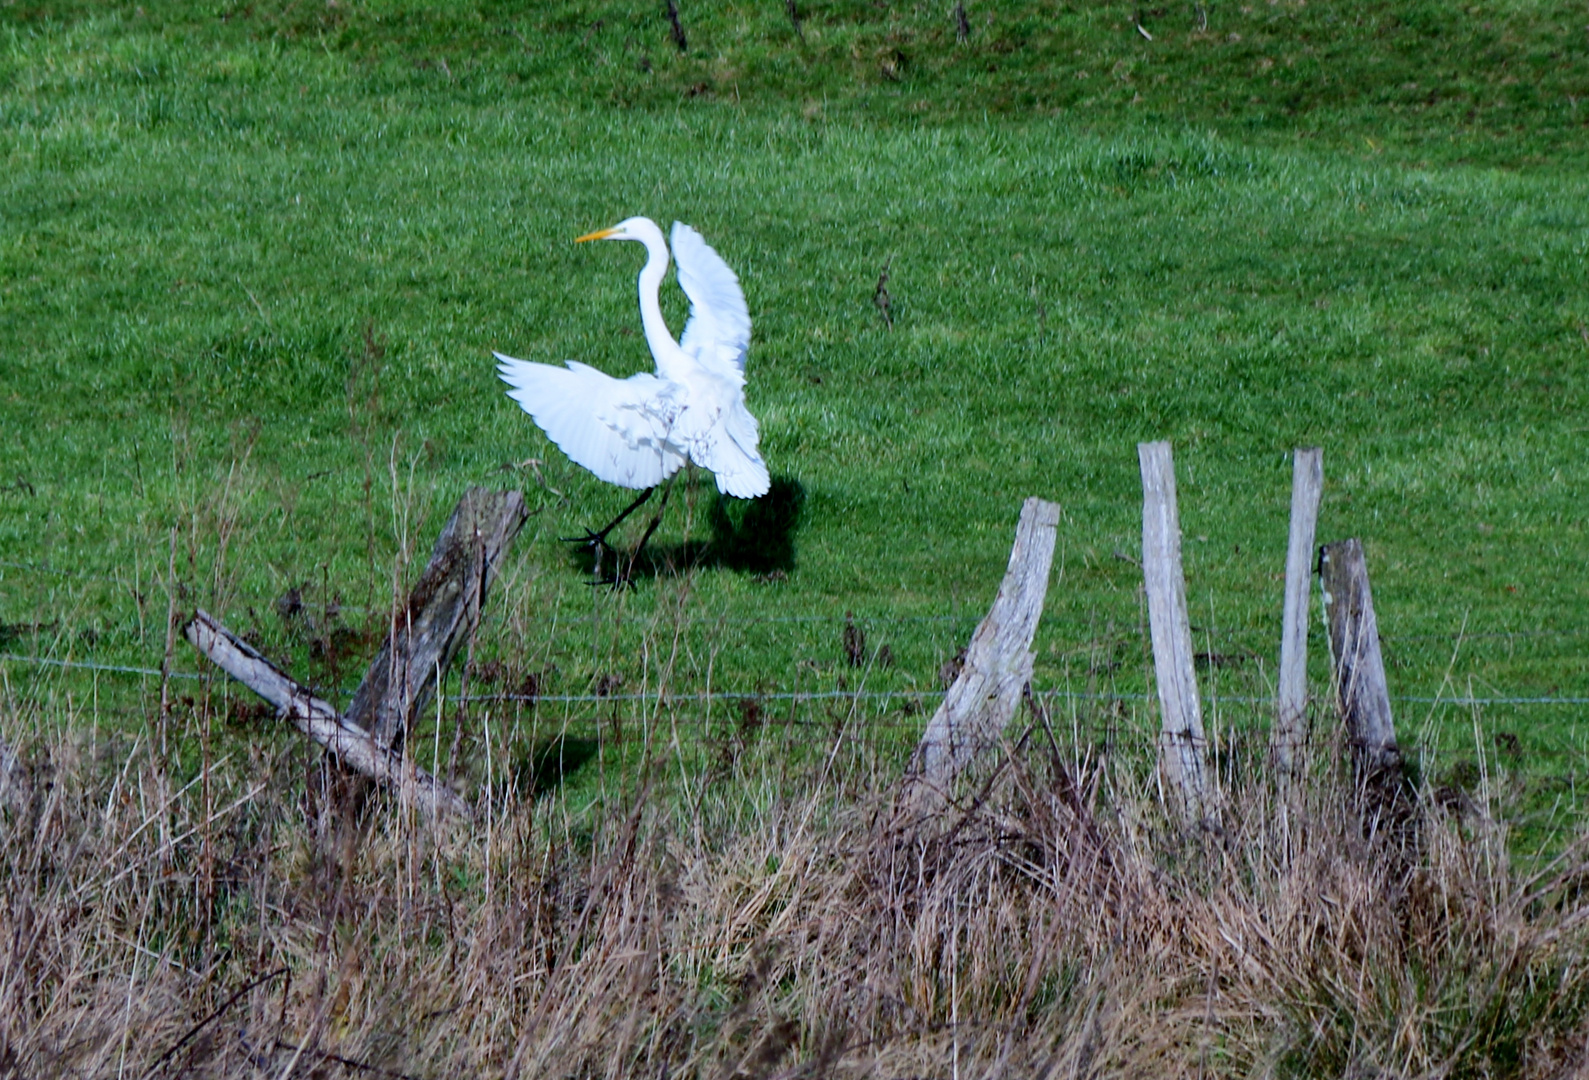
639 431
616 428
719 323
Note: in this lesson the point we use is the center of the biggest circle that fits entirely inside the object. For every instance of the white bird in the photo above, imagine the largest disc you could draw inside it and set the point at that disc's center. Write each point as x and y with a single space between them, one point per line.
638 432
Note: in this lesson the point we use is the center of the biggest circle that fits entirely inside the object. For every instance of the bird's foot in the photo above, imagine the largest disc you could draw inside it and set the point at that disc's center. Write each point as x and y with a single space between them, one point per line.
596 544
591 541
622 575
616 582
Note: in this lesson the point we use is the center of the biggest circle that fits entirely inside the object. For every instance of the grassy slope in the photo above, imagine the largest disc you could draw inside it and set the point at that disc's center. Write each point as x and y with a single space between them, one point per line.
1492 82
1498 81
254 264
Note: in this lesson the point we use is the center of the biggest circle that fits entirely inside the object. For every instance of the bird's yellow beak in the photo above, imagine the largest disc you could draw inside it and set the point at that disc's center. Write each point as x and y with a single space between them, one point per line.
599 234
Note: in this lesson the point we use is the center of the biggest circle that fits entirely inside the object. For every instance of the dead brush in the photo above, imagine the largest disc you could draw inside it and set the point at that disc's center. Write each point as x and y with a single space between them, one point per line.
1054 922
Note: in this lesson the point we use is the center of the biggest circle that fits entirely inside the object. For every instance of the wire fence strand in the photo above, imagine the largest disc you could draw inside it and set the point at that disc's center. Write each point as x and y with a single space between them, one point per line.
1062 693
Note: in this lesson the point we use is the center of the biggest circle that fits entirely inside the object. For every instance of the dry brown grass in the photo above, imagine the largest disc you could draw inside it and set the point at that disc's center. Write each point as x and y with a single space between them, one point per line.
738 925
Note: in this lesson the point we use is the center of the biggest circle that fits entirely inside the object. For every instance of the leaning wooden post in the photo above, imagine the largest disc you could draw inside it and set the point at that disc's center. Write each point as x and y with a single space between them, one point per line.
1360 684
1290 732
998 663
1181 740
442 612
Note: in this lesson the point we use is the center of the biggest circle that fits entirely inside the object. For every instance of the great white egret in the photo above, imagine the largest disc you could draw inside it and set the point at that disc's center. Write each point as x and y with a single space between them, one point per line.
638 432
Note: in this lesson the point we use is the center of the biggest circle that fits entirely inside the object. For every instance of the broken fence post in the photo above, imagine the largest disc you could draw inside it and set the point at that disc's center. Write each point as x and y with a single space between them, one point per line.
318 719
1359 668
442 612
1181 739
998 661
1290 731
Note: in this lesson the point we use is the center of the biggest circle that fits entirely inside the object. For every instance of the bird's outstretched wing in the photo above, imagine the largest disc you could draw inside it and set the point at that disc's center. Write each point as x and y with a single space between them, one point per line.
718 332
616 428
729 450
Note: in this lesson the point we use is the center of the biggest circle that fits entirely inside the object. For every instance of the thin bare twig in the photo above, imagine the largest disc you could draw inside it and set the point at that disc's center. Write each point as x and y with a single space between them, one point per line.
347 1062
210 1019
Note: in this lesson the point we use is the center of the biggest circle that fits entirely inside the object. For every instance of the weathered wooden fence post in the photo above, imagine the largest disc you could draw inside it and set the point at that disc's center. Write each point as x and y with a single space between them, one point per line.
1359 668
998 663
1181 740
349 744
442 612
1290 732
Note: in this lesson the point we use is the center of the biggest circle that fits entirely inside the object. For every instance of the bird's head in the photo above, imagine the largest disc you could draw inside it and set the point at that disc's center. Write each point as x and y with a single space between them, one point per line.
642 229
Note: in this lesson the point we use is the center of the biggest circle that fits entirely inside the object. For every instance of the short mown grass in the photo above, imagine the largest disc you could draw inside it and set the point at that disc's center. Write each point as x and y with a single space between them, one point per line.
252 286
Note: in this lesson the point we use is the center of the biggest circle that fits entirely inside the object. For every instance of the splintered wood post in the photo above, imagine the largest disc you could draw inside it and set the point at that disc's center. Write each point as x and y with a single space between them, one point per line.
1361 690
1290 732
320 720
1181 739
442 612
998 661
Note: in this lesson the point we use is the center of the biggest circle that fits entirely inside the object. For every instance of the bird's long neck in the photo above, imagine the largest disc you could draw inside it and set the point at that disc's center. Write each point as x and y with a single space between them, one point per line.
663 346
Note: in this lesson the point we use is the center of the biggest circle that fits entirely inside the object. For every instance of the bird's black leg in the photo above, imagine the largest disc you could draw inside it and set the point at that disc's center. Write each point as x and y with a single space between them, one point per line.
597 541
626 577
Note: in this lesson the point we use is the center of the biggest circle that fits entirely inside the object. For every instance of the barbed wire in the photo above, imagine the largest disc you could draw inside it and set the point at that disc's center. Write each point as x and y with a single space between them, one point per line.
1465 701
45 568
1053 692
1230 637
967 617
90 665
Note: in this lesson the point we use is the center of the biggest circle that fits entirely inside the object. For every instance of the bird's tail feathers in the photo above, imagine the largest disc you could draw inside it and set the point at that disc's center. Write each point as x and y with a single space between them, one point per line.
740 474
743 429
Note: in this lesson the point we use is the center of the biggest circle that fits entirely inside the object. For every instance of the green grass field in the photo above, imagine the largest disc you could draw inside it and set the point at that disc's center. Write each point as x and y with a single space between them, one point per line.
255 260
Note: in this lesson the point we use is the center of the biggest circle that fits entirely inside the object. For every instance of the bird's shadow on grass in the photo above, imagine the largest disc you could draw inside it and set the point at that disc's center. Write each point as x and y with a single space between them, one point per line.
755 536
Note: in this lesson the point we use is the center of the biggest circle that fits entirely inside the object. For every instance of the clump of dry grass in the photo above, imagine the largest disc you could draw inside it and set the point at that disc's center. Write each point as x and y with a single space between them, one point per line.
238 923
